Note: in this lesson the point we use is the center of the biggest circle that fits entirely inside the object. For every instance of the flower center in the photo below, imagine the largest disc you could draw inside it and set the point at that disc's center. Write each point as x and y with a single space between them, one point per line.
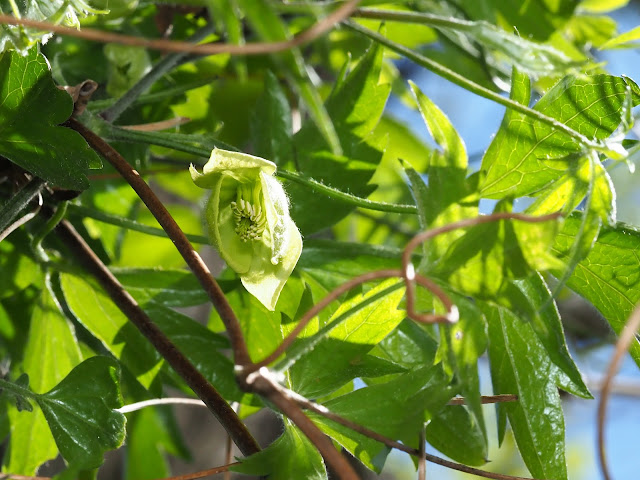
248 214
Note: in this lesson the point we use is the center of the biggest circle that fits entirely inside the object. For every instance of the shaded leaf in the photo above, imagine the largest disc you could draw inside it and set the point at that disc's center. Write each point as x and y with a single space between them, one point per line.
335 354
80 412
455 432
292 455
30 108
396 409
171 288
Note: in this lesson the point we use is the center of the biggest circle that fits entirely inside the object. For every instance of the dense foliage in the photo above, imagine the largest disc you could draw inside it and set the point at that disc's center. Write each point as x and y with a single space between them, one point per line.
92 292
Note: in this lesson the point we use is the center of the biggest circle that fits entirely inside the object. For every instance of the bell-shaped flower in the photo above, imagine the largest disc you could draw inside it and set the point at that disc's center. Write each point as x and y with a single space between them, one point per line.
249 223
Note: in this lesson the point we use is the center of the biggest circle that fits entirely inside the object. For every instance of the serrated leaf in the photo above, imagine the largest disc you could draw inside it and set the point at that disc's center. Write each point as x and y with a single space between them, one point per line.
50 354
609 276
396 409
171 288
444 200
355 107
271 126
520 366
270 27
292 455
31 107
80 412
526 155
334 353
110 326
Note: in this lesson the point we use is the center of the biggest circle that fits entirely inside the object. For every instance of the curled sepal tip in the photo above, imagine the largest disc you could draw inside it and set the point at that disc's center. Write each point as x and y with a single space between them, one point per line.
249 223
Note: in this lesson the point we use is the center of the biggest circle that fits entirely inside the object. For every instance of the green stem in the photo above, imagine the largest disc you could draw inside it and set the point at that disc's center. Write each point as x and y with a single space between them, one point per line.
159 69
80 211
18 202
165 93
473 87
17 389
182 143
36 243
346 197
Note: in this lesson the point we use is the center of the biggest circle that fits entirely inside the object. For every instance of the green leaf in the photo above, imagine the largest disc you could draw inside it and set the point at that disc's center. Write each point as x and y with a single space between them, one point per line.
80 412
460 347
50 354
545 321
271 126
202 347
548 16
355 107
31 108
455 432
339 348
624 40
149 438
93 309
171 288
520 365
448 197
609 276
526 155
270 27
396 409
292 455
54 11
331 263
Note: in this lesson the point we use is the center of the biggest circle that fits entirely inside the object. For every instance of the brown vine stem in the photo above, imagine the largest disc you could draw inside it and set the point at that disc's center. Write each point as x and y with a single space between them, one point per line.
177 236
356 427
624 342
180 363
187 476
257 48
422 459
264 384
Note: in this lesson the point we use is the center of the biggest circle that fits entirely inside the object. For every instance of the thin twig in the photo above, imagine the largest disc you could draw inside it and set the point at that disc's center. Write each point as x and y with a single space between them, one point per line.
180 363
422 459
627 336
175 233
263 383
133 407
257 48
16 203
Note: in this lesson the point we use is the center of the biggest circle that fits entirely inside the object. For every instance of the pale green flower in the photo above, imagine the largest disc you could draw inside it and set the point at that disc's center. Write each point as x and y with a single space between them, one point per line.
249 222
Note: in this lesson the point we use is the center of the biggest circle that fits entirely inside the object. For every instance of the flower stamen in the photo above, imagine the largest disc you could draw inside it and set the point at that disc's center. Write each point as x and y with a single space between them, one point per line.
249 217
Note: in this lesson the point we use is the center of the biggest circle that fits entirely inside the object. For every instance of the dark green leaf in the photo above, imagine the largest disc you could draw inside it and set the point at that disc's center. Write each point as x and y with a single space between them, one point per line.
520 365
355 107
50 354
171 288
31 108
545 321
455 432
271 123
80 412
292 455
396 409
202 346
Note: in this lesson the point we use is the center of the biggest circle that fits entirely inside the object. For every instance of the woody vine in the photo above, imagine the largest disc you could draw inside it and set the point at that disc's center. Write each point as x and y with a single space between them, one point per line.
363 282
